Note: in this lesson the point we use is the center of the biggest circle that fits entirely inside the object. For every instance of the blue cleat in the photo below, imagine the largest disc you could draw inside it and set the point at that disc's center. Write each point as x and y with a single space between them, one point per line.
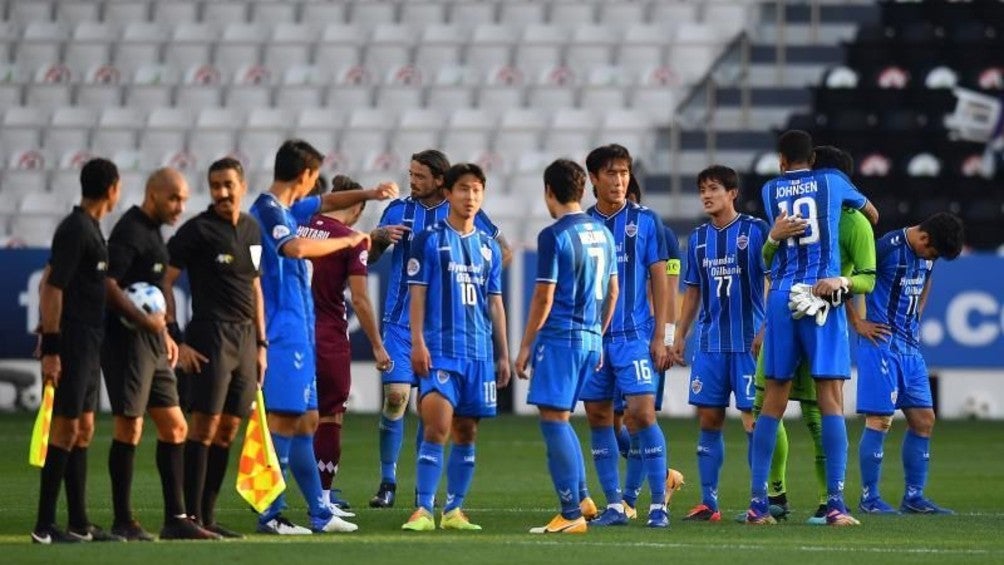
921 505
658 518
610 517
876 506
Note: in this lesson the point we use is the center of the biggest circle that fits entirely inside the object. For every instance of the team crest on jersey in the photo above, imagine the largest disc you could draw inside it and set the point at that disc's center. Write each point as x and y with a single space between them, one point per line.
102 266
158 267
280 231
742 242
631 229
443 377
364 256
486 252
893 396
696 385
413 267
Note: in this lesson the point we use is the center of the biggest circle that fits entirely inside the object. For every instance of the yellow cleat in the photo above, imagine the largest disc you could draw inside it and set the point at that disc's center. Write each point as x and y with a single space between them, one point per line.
674 482
630 511
457 520
561 525
588 508
420 521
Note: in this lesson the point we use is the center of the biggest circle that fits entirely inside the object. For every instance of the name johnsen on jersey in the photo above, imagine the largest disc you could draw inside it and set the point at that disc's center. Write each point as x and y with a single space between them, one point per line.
797 189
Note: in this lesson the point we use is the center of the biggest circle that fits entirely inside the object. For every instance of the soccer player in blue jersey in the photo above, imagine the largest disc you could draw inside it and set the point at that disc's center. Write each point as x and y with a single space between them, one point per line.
456 315
401 222
725 282
290 386
634 350
812 259
892 374
572 304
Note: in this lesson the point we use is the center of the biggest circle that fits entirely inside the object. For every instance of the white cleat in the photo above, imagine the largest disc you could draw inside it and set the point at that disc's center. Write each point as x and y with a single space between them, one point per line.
337 511
336 524
280 526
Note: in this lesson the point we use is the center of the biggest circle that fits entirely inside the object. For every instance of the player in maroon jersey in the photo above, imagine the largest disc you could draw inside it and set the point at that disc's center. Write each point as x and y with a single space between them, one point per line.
332 273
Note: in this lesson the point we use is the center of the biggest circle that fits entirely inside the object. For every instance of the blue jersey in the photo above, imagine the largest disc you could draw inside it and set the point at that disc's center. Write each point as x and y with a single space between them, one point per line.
727 264
899 283
285 282
640 242
817 196
416 216
576 254
460 272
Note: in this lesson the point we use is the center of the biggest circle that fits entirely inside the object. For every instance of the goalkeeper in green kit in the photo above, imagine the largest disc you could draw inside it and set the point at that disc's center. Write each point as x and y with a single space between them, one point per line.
857 253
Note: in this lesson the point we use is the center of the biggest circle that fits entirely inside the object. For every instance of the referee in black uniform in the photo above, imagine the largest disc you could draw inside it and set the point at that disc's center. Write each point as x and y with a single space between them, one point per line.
138 361
72 302
223 347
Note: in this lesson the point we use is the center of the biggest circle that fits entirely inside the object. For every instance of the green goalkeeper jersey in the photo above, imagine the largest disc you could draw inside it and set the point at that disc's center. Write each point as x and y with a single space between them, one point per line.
857 262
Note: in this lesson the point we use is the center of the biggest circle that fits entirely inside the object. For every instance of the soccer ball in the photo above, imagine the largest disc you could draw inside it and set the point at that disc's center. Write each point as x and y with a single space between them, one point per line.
978 406
146 297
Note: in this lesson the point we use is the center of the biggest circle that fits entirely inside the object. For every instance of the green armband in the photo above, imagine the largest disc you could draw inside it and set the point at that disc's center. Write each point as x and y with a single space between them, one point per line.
673 267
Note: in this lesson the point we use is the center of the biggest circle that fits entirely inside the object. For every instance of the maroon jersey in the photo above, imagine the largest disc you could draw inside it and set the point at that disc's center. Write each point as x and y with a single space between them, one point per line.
331 276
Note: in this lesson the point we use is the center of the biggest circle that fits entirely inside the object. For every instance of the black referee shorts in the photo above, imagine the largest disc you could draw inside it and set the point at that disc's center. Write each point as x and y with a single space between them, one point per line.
228 382
80 372
137 374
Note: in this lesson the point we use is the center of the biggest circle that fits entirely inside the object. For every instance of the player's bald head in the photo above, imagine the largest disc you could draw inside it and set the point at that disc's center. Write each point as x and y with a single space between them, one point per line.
165 179
166 193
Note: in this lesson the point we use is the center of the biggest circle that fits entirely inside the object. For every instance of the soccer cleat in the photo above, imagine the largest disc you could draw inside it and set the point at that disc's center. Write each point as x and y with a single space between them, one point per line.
332 524
421 521
778 506
819 518
921 505
658 518
876 506
51 535
93 533
186 528
132 531
219 530
674 482
588 508
384 498
281 526
837 518
753 518
630 511
702 513
561 525
339 511
456 520
334 496
610 517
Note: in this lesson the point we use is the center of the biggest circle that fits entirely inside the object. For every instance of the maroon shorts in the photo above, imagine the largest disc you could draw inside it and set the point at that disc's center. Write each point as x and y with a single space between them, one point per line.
333 377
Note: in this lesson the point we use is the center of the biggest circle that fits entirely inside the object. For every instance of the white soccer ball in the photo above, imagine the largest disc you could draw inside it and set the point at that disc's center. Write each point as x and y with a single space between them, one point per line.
145 296
978 406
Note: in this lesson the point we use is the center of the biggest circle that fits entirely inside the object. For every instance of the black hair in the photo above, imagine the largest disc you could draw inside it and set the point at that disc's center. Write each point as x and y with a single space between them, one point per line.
725 176
435 159
225 164
345 182
97 176
566 179
830 157
293 157
454 173
946 234
634 189
605 155
795 145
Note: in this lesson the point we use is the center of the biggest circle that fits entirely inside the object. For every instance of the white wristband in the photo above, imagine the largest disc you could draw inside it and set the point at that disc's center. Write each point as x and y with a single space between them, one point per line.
772 241
669 338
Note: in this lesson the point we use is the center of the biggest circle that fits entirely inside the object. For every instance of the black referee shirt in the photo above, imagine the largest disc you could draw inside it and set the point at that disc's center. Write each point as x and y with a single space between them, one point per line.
78 263
136 250
222 262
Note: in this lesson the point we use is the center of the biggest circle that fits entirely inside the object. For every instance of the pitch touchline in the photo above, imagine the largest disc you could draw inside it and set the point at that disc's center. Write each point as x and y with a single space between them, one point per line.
674 545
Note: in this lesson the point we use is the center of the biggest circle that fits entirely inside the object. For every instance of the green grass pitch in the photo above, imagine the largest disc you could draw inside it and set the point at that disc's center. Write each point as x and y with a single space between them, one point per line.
512 492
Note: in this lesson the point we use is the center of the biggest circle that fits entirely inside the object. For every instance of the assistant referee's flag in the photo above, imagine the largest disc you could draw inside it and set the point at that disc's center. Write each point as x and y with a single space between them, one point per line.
40 433
259 478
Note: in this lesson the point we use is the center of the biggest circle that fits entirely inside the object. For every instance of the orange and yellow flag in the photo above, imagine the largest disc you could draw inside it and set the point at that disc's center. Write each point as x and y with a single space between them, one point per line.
40 433
259 478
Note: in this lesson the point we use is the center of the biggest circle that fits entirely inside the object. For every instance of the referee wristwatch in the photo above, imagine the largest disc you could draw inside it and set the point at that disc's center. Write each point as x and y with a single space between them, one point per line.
263 343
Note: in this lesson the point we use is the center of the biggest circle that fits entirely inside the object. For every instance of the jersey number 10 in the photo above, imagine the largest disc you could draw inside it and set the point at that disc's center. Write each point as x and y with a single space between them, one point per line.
468 294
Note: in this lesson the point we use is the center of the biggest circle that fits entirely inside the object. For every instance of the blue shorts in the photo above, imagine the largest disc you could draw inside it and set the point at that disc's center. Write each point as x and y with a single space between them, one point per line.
397 342
889 380
627 370
789 341
620 403
290 379
468 385
558 374
714 375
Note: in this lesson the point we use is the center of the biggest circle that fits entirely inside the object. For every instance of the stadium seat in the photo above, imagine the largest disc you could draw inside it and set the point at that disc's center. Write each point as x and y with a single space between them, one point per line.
19 182
468 130
31 11
225 12
419 129
491 45
291 44
139 46
125 12
52 87
554 88
352 89
422 14
389 46
694 48
273 13
323 13
91 45
173 13
605 87
453 86
190 45
572 14
239 46
101 87
518 14
152 86
35 230
302 86
401 89
366 130
644 46
251 88
369 15
473 13
621 15
540 46
520 130
440 45
503 89
200 87
117 129
340 45
591 46
70 129
41 203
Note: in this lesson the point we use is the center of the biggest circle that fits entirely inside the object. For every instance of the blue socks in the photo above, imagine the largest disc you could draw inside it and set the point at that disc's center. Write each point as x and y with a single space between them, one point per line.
916 455
391 437
623 440
605 456
562 464
304 466
835 449
710 455
653 452
635 474
580 462
282 447
764 440
427 473
459 474
870 461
